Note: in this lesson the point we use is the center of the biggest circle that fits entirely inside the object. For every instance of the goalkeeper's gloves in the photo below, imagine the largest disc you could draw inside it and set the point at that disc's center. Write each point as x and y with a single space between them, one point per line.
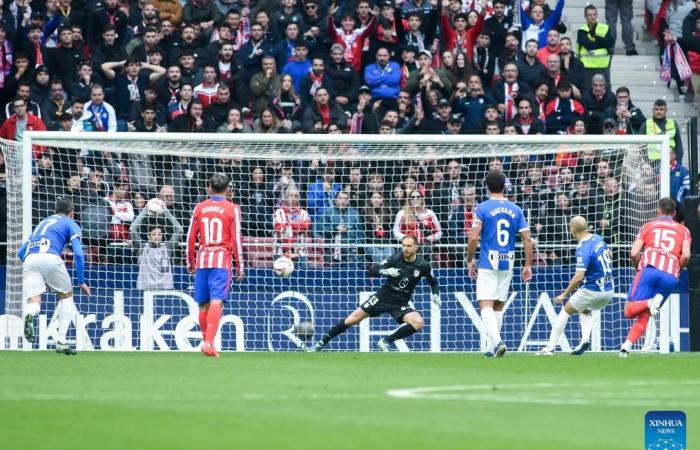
390 272
435 298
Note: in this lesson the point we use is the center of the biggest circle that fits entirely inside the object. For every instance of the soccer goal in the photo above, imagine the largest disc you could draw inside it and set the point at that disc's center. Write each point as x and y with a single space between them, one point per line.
334 204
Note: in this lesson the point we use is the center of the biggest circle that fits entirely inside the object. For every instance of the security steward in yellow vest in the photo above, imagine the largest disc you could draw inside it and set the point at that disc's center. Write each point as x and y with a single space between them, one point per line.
594 41
659 124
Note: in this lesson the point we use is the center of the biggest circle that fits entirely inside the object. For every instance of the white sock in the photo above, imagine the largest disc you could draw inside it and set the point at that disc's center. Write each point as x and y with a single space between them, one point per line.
66 314
626 346
586 321
32 308
499 319
558 329
488 317
657 299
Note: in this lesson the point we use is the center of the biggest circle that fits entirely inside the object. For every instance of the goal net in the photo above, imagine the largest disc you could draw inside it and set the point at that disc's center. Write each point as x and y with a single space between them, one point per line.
335 205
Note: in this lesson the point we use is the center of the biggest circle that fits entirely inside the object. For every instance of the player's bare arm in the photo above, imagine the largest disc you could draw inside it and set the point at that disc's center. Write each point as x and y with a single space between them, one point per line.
474 235
573 284
636 252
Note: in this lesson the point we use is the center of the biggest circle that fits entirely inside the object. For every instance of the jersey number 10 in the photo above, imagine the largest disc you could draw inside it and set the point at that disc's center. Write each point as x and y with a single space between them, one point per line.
213 230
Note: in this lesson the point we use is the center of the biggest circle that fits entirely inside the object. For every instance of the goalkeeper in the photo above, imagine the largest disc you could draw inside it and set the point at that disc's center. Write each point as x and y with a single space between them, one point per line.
403 271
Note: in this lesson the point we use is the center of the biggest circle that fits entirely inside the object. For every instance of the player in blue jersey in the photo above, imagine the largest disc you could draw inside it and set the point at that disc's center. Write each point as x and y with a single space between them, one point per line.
594 269
42 266
496 222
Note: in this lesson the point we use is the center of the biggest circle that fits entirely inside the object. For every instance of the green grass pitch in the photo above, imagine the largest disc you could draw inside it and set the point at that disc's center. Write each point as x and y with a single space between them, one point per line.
335 401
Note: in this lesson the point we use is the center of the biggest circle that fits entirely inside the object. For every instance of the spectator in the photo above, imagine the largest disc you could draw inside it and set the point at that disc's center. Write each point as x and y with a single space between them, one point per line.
254 53
14 127
122 211
155 256
497 26
218 111
623 8
680 181
555 75
190 122
341 225
378 226
170 11
552 47
563 111
350 38
287 105
343 77
473 104
599 104
594 41
530 69
383 77
256 203
483 63
565 181
105 17
184 98
660 124
459 223
54 104
129 84
201 12
416 220
320 114
506 91
629 117
420 32
314 80
234 124
540 99
147 123
585 198
609 225
536 25
300 66
268 123
525 122
460 35
427 77
206 91
98 115
292 224
322 192
264 85
23 91
437 123
571 66
555 233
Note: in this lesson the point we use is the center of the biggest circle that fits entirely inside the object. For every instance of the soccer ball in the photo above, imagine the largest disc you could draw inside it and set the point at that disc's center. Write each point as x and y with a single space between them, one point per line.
283 266
305 330
155 206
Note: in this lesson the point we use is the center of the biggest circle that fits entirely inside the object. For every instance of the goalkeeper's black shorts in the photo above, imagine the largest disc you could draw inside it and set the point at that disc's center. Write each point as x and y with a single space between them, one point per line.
375 306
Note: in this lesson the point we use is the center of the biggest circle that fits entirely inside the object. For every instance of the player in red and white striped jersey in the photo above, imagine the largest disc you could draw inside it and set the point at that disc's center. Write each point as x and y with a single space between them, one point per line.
216 226
661 250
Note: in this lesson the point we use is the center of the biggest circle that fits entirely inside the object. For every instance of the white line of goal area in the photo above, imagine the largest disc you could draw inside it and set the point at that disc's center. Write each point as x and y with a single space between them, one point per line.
581 394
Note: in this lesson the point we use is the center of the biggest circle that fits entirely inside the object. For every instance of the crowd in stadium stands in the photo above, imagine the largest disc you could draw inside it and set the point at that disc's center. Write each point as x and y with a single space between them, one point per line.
315 66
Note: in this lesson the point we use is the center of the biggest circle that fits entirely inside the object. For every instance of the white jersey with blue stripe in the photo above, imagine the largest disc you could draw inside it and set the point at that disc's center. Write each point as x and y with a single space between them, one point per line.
52 235
501 220
592 255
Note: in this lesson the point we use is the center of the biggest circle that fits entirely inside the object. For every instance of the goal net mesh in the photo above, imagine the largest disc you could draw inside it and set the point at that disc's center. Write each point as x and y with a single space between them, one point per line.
335 209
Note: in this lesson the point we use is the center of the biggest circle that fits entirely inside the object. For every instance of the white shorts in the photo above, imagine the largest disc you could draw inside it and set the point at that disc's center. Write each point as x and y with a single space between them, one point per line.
585 299
44 269
493 284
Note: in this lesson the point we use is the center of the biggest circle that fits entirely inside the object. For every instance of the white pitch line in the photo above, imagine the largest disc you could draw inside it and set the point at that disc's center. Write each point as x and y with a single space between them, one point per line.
495 393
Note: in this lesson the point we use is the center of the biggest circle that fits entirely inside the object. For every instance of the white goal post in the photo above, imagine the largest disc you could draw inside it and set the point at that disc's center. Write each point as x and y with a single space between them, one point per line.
265 312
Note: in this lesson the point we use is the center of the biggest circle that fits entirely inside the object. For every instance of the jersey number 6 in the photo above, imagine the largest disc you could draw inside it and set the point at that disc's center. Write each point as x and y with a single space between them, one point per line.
502 234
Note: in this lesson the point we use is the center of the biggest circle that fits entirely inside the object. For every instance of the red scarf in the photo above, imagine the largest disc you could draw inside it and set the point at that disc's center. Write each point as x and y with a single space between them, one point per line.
38 56
316 82
325 112
510 101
